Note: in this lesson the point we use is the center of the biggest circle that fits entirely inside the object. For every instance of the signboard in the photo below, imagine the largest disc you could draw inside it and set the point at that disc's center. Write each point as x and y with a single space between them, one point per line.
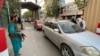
1 4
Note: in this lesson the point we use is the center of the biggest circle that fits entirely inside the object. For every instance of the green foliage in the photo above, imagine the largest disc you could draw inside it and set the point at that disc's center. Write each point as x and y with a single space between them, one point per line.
4 15
81 3
27 14
14 6
4 11
52 8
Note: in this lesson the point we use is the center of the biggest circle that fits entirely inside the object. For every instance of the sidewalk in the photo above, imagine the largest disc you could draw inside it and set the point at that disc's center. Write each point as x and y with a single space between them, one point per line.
10 49
35 44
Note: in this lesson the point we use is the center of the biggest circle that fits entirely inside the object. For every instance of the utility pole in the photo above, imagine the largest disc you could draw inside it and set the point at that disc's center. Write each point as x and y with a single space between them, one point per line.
7 4
20 15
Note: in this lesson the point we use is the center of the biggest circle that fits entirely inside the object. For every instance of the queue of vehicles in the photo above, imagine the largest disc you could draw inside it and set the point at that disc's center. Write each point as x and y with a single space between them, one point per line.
71 39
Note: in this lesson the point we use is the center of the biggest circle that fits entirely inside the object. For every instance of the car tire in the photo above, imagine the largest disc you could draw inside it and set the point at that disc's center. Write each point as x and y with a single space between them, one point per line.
66 50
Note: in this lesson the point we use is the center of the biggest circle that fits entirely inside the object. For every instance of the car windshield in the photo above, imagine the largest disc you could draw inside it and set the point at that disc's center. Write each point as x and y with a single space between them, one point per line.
69 27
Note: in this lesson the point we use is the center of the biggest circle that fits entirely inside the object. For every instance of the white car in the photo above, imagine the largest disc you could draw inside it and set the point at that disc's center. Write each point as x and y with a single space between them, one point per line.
71 39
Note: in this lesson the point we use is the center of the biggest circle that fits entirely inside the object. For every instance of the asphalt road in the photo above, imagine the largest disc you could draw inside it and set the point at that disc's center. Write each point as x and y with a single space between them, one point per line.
36 45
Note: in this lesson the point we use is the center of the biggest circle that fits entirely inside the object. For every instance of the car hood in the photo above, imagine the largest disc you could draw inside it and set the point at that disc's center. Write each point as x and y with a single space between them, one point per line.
86 38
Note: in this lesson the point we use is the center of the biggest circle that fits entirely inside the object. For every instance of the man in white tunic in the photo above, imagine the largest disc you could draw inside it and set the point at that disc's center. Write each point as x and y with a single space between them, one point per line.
81 22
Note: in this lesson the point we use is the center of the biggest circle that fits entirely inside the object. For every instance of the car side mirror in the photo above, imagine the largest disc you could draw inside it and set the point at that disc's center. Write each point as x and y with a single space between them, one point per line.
56 30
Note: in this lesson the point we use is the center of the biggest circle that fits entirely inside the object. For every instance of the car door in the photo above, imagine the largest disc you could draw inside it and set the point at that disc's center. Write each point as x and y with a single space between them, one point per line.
47 29
50 32
55 33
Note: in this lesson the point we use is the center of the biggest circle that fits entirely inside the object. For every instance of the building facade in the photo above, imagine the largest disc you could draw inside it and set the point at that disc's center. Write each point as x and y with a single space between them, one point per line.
92 14
70 9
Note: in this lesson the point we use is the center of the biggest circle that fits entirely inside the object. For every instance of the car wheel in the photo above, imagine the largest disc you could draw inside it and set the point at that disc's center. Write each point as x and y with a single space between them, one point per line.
66 51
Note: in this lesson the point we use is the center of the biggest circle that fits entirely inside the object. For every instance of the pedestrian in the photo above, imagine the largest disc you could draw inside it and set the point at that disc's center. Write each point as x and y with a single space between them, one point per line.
20 23
81 22
15 35
73 20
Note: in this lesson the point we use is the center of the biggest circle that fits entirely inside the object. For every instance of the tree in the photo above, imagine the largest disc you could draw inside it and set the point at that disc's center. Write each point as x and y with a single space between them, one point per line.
52 8
27 14
81 3
14 6
4 15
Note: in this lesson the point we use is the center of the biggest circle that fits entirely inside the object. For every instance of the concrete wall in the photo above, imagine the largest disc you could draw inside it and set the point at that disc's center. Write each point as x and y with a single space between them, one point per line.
92 14
35 15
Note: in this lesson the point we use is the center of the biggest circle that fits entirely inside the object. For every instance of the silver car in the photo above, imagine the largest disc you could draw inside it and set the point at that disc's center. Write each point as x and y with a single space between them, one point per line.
71 39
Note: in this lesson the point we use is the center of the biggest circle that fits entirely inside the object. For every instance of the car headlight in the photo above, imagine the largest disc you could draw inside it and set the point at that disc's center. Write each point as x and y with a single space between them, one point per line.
90 51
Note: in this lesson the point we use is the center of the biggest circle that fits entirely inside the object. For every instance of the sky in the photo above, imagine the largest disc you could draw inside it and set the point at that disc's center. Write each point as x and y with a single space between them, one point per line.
40 3
67 1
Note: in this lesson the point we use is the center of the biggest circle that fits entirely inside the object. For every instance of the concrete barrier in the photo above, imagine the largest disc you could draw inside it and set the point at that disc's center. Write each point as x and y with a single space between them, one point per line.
3 43
98 29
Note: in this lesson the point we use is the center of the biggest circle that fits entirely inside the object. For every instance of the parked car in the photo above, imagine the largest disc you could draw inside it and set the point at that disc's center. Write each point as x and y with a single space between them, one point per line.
71 39
38 24
26 20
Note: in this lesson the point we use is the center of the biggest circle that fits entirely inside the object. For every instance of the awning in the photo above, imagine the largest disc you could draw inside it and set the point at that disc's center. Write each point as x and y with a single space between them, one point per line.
30 6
